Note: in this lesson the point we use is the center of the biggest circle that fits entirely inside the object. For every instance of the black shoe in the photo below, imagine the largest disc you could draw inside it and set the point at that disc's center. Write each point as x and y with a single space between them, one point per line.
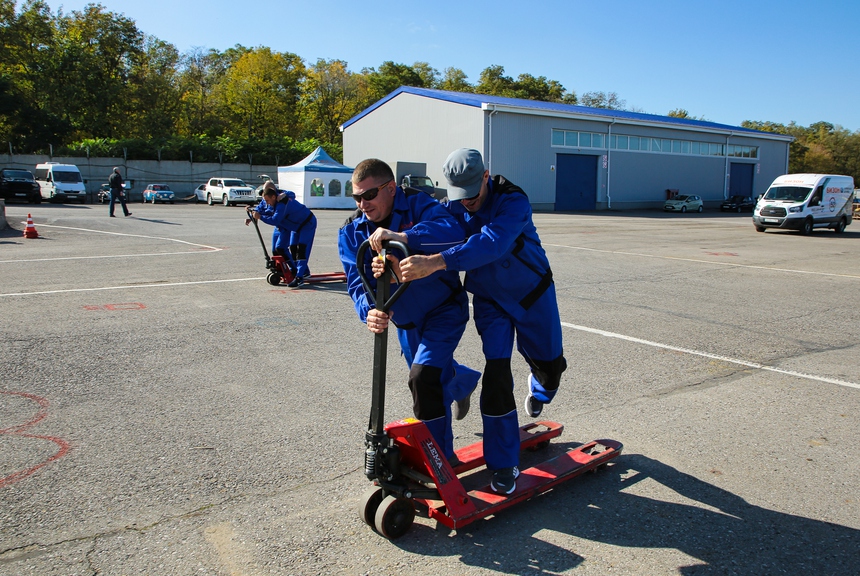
533 406
461 407
112 216
454 461
127 215
297 281
505 480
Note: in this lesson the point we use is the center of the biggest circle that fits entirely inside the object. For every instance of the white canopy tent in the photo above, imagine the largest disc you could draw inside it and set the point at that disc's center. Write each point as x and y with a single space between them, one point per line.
318 181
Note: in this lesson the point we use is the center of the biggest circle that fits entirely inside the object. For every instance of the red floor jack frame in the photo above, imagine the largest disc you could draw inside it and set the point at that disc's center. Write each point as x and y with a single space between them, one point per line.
282 270
407 466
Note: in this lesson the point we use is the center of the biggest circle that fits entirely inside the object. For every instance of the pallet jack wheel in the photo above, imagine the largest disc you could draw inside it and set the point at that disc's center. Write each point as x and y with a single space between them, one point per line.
369 504
394 517
273 279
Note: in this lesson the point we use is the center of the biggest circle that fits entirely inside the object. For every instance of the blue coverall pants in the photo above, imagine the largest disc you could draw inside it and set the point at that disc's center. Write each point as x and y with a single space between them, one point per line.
429 353
539 341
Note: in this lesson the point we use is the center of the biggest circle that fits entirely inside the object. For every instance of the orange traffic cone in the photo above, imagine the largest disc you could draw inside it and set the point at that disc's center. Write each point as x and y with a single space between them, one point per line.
30 230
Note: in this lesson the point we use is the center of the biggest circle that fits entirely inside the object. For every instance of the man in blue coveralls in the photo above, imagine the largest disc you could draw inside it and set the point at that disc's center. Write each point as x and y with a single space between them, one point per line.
295 227
508 273
432 313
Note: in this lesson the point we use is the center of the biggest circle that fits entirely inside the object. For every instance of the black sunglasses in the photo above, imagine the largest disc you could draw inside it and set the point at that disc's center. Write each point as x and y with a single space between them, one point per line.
369 194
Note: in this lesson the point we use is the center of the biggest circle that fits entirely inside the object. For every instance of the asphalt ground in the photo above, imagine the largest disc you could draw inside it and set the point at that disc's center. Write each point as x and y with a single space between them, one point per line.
164 410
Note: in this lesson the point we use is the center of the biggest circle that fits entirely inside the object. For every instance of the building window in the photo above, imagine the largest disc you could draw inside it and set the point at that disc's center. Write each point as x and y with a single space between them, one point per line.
348 189
317 187
334 188
574 139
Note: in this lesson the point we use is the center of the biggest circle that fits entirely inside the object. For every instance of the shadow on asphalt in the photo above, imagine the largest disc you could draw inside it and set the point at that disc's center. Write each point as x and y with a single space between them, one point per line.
725 533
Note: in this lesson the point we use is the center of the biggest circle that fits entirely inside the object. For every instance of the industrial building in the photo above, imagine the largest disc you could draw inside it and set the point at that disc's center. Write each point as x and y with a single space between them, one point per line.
566 157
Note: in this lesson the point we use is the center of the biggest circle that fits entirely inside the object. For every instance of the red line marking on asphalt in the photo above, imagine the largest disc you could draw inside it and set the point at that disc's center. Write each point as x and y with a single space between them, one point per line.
19 431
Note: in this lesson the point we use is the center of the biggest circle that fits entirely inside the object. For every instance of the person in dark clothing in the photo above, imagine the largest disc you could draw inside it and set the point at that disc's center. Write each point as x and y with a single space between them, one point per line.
117 192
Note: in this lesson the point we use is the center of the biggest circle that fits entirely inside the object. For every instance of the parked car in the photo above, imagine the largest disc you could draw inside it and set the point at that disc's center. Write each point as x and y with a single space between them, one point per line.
103 195
16 184
229 192
258 193
158 193
684 203
200 193
738 204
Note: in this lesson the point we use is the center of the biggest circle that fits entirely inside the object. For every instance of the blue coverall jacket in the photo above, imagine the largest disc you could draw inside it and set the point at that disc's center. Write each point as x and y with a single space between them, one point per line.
430 229
502 256
509 275
431 315
295 228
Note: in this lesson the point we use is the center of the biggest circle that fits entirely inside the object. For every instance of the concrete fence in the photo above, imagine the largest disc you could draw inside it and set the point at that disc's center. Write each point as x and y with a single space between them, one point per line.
182 176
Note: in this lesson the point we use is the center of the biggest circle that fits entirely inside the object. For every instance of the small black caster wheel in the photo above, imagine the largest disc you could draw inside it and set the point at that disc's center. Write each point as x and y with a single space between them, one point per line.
273 279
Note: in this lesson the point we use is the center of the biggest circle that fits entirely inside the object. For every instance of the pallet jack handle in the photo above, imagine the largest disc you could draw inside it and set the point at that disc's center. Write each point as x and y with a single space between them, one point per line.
384 300
259 235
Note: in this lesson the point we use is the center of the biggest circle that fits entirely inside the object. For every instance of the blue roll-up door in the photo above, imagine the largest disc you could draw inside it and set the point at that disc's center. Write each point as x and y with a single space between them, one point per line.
740 179
576 182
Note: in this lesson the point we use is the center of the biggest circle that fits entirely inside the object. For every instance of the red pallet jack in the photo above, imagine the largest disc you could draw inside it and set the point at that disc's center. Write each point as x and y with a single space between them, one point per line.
407 466
282 270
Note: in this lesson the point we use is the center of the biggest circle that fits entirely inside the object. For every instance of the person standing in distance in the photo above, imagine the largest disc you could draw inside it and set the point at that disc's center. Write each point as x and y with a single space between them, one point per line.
116 192
508 273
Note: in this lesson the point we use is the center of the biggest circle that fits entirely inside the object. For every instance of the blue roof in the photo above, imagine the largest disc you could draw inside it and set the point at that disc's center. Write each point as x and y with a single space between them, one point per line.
317 161
478 100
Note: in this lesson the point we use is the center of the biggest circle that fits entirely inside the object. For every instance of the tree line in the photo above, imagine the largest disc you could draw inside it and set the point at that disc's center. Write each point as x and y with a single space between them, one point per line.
91 83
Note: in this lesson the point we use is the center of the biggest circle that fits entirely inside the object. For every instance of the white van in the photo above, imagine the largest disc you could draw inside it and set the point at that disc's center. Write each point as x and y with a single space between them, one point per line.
805 202
60 181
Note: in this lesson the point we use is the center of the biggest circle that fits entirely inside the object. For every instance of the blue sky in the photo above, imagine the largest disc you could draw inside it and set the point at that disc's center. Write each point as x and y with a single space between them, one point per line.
727 60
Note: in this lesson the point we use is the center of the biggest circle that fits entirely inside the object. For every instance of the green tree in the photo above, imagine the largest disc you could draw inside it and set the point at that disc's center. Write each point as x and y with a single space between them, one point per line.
389 78
608 100
260 92
532 88
153 94
429 75
26 117
494 82
330 97
454 80
199 72
93 56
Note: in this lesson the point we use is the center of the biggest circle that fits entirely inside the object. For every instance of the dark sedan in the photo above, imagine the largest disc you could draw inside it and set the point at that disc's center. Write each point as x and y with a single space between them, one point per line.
18 184
738 204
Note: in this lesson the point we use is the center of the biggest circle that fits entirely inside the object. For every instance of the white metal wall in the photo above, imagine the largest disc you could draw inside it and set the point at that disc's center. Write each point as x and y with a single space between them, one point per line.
412 128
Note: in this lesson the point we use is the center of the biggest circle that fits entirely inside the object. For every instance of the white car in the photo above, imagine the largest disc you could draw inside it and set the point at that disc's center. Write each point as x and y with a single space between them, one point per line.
229 192
200 193
684 203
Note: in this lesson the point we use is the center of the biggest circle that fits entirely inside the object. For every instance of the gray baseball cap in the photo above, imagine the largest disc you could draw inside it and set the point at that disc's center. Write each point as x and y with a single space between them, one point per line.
463 170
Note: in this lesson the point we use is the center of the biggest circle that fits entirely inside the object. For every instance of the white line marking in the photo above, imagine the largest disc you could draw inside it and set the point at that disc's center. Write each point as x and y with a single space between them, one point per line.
131 286
732 264
206 249
712 356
